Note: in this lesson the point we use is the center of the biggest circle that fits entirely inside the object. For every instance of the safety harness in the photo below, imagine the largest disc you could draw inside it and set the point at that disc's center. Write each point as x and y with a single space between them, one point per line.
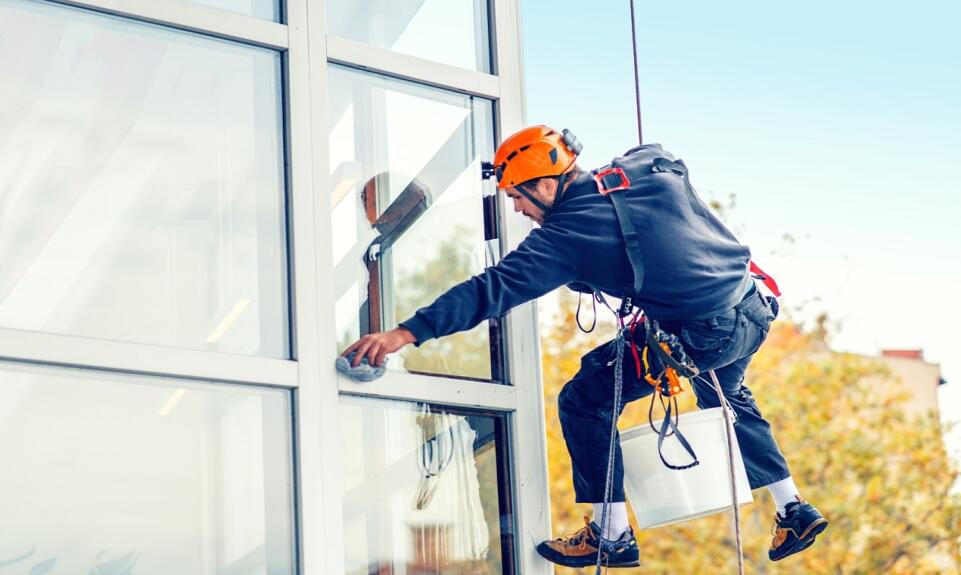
613 179
664 361
660 359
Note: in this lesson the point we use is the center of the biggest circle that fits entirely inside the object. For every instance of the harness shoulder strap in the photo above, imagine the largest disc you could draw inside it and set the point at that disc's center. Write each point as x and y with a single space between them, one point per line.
632 240
610 182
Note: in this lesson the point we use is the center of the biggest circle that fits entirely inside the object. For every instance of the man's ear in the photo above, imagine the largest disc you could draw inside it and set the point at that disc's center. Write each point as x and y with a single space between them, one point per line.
546 187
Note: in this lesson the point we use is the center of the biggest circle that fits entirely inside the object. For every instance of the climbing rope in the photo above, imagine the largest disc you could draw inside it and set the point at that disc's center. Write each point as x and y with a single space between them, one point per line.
609 480
618 376
637 80
728 427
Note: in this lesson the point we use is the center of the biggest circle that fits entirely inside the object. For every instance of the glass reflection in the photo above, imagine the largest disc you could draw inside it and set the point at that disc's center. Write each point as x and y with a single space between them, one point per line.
108 474
453 32
267 9
141 183
425 493
408 213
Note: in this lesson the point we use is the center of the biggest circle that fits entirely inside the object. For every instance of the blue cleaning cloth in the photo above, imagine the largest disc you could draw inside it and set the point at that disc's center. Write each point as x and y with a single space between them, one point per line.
363 372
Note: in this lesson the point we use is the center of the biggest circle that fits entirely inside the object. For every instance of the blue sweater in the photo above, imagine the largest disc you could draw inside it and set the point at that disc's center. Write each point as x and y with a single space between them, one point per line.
695 268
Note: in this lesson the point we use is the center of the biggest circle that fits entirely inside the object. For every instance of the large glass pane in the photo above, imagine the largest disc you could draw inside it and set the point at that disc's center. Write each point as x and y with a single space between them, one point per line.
267 9
141 183
425 490
452 32
408 212
109 474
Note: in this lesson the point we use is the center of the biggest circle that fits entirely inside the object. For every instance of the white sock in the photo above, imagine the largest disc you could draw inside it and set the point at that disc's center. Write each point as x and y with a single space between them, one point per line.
783 492
617 519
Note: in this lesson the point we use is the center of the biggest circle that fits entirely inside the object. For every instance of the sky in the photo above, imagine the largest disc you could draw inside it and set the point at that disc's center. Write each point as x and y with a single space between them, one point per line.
835 126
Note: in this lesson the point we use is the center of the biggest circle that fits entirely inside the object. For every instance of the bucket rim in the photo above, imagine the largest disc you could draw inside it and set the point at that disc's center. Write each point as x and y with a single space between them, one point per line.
690 418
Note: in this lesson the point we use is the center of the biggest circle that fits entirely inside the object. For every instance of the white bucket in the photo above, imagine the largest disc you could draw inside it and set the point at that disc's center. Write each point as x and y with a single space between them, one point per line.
662 496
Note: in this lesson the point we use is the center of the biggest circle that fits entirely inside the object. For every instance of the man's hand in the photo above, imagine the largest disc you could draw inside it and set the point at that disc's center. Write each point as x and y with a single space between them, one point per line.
376 346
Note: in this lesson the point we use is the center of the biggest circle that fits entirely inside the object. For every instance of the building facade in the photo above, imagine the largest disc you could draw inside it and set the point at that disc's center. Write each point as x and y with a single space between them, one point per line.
913 377
201 203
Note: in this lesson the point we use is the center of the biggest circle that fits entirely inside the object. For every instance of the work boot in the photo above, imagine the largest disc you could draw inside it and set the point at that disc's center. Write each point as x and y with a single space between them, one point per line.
579 549
796 531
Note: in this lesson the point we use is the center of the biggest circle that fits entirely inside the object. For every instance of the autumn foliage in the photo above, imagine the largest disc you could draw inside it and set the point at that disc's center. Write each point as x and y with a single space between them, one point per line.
882 477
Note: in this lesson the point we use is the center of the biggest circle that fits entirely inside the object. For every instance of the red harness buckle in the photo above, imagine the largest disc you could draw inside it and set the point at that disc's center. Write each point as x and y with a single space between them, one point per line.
603 188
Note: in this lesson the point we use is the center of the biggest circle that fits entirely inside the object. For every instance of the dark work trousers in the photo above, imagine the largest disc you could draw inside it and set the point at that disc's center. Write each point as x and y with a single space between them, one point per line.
726 344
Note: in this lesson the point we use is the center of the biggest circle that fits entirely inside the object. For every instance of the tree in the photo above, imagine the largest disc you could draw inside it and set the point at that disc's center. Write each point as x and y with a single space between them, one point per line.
465 354
882 478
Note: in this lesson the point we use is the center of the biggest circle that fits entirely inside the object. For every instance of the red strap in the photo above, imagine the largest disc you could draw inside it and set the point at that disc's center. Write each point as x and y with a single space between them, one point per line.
637 358
766 279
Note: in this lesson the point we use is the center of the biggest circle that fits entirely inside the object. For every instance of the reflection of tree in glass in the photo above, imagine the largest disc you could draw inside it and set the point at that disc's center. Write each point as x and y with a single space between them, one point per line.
465 354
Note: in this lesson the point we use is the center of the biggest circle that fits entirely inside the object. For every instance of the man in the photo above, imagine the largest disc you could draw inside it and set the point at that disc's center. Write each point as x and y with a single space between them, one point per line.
696 284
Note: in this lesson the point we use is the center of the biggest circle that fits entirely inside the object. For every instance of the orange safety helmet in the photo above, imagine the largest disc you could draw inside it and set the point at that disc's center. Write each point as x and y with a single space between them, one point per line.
534 152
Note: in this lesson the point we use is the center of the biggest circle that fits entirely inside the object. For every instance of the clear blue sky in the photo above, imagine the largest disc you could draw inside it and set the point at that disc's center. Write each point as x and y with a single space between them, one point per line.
837 123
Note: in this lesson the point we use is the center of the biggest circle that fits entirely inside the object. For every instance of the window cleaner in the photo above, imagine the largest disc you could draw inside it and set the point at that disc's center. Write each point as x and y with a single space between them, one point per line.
634 230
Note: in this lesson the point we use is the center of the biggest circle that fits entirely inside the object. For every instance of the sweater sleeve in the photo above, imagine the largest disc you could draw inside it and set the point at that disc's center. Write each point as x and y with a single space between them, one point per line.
538 265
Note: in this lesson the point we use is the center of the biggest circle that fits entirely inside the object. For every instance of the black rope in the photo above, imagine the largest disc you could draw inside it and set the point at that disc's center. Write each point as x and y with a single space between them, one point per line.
577 315
637 80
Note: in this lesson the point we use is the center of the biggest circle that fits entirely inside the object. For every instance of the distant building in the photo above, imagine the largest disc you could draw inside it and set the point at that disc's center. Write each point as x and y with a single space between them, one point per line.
912 374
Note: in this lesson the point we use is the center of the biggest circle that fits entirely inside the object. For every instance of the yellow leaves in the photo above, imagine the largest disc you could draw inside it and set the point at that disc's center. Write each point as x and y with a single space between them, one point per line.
882 478
875 490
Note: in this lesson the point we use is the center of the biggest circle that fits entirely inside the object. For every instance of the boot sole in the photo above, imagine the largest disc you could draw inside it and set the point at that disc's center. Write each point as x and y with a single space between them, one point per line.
587 561
593 563
806 539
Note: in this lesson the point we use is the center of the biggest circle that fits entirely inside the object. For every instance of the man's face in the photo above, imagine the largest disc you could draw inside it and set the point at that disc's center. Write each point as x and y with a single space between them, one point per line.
524 206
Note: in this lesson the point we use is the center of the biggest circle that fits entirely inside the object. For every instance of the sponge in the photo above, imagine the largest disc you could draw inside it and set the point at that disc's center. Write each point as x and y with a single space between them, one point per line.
363 372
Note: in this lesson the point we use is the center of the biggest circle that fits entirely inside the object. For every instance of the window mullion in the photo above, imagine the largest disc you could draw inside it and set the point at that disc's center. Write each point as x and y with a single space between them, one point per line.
319 508
435 389
55 349
372 58
528 426
191 17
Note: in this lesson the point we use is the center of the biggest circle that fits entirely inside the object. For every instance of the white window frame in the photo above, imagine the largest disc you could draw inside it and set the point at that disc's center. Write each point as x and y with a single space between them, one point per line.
310 377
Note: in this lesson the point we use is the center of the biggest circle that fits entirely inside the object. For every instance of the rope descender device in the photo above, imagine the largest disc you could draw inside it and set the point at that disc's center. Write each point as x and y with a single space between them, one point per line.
663 360
661 363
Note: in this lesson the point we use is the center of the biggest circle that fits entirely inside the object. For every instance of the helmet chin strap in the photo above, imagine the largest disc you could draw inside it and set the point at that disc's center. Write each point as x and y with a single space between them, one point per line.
522 188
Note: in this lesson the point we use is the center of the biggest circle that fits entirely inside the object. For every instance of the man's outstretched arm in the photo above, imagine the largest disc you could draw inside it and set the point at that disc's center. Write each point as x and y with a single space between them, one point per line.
538 265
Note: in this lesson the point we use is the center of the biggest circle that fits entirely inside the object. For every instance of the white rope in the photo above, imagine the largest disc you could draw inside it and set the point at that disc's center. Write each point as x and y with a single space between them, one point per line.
728 426
609 480
717 385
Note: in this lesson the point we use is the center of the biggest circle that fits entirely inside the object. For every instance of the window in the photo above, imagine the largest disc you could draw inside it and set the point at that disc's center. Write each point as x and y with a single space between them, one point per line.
267 9
425 491
122 474
161 162
409 212
141 183
453 32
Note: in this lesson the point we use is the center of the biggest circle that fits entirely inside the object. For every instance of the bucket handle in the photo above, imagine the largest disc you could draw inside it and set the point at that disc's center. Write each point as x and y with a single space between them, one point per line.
667 426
